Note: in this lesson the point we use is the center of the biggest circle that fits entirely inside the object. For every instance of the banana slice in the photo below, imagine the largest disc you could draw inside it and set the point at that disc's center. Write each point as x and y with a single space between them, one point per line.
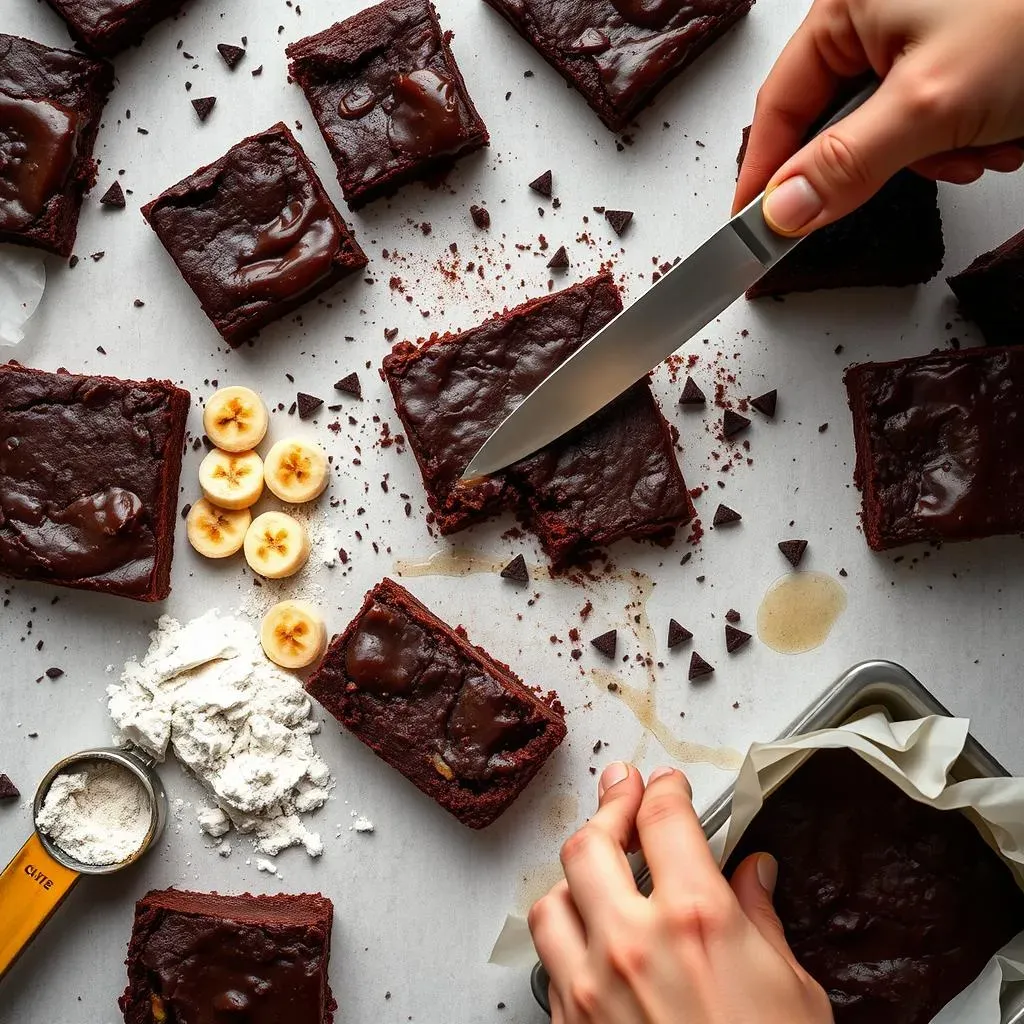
276 545
216 532
293 634
296 470
231 479
235 419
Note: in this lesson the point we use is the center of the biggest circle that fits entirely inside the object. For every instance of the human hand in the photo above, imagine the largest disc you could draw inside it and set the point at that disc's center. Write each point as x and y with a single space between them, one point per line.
951 104
698 950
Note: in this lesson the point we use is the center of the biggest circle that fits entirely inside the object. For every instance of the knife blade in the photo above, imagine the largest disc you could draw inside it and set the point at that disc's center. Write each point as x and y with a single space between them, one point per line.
685 300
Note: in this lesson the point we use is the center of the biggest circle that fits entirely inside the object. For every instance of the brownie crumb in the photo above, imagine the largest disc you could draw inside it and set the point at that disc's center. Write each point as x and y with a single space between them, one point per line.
516 571
231 54
203 105
692 395
560 261
8 790
606 643
307 404
544 185
732 616
619 219
699 668
138 303
733 423
256 72
350 385
793 550
725 515
54 673
113 197
735 639
823 428
481 217
766 404
677 634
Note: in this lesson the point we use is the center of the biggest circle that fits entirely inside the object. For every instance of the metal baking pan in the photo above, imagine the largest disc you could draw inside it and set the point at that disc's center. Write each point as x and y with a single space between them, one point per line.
869 684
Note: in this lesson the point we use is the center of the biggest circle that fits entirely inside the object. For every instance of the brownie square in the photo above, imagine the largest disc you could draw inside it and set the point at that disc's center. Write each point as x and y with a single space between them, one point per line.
50 107
204 957
89 480
388 97
893 907
614 476
991 292
939 442
620 53
108 26
456 723
254 234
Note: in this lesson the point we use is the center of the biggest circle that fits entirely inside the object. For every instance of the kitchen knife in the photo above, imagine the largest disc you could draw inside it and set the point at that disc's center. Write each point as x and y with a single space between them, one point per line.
686 299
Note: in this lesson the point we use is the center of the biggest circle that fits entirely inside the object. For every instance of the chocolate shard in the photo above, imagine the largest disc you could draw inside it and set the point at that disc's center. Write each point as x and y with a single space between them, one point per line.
307 404
793 550
699 668
54 673
677 634
203 105
735 639
606 643
231 54
516 571
692 395
725 515
766 404
350 385
733 423
619 219
732 616
114 196
8 790
560 261
544 185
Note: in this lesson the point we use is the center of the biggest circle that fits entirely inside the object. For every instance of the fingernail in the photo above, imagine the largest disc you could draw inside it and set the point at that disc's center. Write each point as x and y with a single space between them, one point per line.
767 872
616 772
659 773
791 205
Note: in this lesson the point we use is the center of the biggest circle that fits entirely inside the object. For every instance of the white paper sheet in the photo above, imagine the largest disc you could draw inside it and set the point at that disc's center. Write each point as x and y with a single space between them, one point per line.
22 281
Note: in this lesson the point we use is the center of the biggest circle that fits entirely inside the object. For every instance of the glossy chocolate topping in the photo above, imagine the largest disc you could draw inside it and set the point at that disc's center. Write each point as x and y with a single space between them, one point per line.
99 15
425 119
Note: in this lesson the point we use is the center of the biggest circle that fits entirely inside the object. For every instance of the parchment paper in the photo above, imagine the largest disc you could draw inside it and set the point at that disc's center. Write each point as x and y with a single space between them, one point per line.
22 280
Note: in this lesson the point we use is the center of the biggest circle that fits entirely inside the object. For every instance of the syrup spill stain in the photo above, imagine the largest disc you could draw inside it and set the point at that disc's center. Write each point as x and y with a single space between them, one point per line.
537 881
798 612
451 562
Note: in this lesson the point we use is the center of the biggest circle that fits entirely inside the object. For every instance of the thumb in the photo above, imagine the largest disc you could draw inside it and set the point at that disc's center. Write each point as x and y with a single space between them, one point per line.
753 882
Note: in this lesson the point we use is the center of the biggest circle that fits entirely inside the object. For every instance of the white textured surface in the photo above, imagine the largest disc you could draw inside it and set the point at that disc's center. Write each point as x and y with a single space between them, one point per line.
420 902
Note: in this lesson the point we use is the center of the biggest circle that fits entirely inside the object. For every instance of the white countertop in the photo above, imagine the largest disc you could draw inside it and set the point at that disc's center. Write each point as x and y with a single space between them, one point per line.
419 902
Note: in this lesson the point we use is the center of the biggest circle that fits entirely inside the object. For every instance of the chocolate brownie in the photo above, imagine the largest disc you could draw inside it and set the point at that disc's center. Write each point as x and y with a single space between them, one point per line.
615 476
456 723
938 445
108 26
894 239
620 53
892 906
991 292
254 234
388 97
50 107
89 480
201 957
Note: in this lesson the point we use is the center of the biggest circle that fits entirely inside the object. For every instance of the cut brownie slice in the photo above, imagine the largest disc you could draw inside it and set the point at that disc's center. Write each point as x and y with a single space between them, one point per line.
108 26
254 234
615 476
204 957
388 97
50 107
620 53
991 292
451 719
939 439
89 480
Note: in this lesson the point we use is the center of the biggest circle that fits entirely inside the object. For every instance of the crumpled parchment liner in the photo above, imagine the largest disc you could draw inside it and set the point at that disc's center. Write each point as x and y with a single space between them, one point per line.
22 281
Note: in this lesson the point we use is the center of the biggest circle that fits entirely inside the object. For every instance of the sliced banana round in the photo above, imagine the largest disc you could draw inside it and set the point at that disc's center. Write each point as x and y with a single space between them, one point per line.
231 479
276 545
296 470
216 532
235 419
293 634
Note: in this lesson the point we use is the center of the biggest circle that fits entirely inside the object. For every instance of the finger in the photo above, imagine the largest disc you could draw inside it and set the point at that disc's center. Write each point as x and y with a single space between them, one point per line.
753 882
558 935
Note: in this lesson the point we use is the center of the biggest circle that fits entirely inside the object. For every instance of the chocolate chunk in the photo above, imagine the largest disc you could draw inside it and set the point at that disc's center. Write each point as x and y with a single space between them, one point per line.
677 634
8 790
765 404
256 72
735 639
692 395
732 615
543 185
793 550
231 54
699 668
114 196
619 219
307 404
350 385
823 428
605 643
54 673
516 571
481 217
203 106
560 260
733 423
725 515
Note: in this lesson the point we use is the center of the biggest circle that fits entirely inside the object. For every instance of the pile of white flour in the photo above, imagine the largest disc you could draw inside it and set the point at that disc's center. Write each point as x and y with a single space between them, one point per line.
238 723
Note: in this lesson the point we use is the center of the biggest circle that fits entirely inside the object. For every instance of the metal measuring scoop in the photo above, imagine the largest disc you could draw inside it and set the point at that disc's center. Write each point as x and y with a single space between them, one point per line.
41 875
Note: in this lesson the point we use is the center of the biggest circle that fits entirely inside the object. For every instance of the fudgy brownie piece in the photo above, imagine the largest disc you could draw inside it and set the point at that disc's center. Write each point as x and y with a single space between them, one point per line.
615 476
108 26
89 480
892 906
254 234
50 107
620 53
456 723
201 957
991 292
939 439
388 97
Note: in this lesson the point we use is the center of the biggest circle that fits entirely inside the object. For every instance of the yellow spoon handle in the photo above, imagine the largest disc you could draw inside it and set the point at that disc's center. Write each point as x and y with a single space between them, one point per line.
32 887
